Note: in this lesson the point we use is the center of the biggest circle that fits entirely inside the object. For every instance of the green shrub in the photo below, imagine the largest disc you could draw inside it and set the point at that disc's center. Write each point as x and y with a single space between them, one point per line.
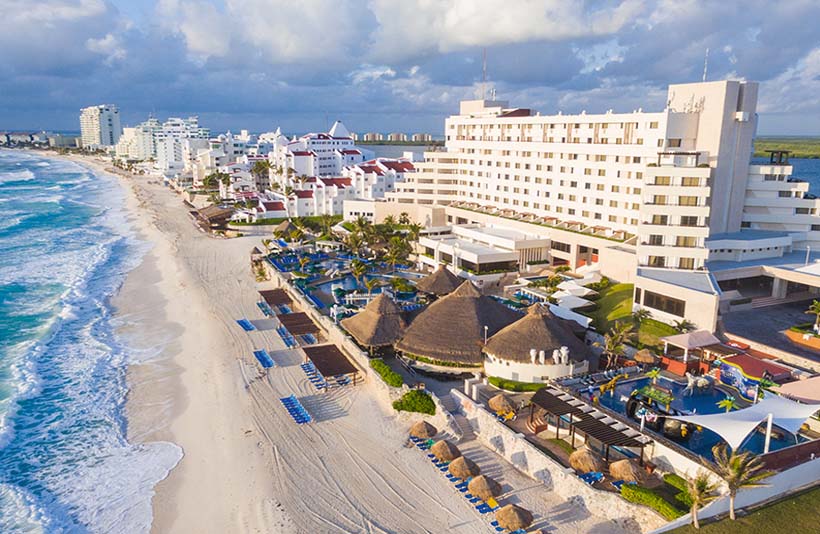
390 377
680 484
512 385
416 400
647 497
563 268
563 444
439 363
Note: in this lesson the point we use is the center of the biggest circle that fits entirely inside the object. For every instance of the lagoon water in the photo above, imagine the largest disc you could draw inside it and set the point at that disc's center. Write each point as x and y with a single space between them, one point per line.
65 248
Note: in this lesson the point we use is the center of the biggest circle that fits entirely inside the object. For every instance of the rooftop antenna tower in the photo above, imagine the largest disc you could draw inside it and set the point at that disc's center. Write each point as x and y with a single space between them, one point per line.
705 64
484 76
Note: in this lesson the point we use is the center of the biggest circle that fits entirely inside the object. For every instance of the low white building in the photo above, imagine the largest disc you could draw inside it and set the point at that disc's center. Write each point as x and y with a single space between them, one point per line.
137 142
178 142
537 348
373 178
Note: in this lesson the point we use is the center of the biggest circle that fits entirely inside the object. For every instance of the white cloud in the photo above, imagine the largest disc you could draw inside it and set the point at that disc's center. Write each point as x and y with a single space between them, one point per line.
109 46
371 73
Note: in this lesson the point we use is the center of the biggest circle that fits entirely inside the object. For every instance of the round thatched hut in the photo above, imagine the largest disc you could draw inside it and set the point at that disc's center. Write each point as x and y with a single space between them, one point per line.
513 517
627 470
536 346
585 461
450 332
440 282
423 430
463 467
445 451
484 487
500 403
378 325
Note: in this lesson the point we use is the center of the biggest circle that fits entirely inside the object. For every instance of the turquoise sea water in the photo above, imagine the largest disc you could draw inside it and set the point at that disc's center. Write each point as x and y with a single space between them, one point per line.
65 247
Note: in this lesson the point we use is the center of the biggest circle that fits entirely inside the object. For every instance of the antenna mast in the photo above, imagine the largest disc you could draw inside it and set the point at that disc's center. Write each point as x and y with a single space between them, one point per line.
705 64
484 76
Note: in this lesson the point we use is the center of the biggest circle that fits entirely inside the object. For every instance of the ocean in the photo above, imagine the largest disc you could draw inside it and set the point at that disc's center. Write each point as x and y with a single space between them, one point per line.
65 248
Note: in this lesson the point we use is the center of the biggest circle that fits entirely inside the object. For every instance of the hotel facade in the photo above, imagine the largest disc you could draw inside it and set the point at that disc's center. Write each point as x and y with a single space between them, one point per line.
667 200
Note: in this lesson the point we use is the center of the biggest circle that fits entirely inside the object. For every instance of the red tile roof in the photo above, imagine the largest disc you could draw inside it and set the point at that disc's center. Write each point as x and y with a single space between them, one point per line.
398 165
351 151
341 183
274 206
302 153
303 194
367 169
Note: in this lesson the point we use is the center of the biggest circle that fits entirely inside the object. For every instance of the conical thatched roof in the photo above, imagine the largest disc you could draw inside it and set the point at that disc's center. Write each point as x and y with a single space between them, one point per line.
484 487
452 328
463 467
500 403
285 228
445 451
539 329
645 356
513 517
423 430
379 324
440 282
627 470
585 461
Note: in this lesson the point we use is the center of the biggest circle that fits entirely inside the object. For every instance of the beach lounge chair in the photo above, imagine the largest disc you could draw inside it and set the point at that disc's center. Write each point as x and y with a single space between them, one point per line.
491 502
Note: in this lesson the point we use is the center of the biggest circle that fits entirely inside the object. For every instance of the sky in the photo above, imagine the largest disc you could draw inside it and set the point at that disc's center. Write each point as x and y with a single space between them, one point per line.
394 65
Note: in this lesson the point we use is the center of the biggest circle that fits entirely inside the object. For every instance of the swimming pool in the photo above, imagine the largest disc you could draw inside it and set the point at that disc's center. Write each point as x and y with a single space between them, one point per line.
348 282
699 402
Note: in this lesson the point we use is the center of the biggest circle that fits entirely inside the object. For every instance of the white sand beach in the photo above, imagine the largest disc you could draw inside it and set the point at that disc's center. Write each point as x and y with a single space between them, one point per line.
247 467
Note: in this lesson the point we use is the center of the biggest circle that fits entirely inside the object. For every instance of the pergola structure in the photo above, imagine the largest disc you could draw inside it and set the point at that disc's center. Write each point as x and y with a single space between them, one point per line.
583 419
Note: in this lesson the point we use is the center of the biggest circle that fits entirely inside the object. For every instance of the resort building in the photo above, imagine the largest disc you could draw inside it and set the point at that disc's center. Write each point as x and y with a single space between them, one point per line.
223 150
138 142
397 137
668 200
419 137
537 348
371 137
178 142
373 178
100 126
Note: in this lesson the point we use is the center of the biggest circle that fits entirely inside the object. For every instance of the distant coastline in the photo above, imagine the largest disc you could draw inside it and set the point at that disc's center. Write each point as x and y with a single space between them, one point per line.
800 147
402 143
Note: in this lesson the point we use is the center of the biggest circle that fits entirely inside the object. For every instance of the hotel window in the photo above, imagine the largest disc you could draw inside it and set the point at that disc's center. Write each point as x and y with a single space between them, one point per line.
690 181
663 180
686 263
657 261
685 241
688 220
655 240
653 125
663 303
802 211
784 194
660 220
562 247
687 201
599 187
659 200
673 143
637 295
615 189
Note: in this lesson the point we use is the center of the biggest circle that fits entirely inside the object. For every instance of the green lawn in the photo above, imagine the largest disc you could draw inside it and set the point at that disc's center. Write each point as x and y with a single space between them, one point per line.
615 304
794 514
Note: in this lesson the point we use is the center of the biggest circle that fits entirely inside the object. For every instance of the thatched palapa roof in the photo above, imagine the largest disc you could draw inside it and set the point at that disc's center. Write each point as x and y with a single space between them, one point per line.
285 227
463 467
484 487
501 403
378 325
627 470
585 461
452 328
539 329
440 282
646 356
445 451
513 517
423 430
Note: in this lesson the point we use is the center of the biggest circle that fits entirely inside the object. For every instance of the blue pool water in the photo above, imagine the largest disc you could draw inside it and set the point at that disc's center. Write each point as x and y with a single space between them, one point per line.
65 462
348 283
705 402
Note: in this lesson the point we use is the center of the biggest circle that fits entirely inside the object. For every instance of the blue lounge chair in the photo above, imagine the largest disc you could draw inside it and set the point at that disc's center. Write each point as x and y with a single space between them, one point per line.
246 325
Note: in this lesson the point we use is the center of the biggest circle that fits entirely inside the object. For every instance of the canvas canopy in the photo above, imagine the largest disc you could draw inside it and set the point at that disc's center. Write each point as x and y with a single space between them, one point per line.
572 287
807 391
735 426
692 340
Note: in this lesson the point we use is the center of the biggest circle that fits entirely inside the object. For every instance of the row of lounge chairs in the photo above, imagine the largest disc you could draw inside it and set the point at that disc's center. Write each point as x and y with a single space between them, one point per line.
592 477
314 376
596 378
309 339
298 412
246 325
264 358
289 340
266 310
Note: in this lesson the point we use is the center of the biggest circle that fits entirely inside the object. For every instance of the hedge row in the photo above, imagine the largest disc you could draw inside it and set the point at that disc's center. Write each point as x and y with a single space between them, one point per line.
512 385
390 377
647 497
416 400
679 483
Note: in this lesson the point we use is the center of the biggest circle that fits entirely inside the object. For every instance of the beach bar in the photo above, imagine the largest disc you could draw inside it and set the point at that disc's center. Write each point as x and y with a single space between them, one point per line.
331 362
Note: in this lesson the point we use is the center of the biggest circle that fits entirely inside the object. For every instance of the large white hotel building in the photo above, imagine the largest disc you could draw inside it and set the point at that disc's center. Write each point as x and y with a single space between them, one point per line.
667 200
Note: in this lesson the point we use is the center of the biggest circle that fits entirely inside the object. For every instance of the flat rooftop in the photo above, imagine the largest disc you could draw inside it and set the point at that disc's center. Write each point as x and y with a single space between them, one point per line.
796 261
701 281
747 235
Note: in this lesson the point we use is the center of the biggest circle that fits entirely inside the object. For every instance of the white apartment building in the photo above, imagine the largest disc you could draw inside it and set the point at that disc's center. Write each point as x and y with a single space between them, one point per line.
397 136
100 126
373 178
138 143
315 154
662 199
420 137
221 151
178 141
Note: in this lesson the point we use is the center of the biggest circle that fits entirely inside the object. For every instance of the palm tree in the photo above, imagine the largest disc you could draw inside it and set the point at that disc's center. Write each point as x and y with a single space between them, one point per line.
413 231
639 316
358 269
260 168
303 262
654 374
397 251
739 471
389 221
623 331
289 191
814 309
354 242
294 235
684 325
404 218
701 490
326 223
728 404
615 340
371 284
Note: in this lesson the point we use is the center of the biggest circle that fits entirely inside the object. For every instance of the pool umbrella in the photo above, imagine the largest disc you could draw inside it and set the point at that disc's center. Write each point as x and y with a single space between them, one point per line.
513 517
423 430
445 451
500 403
645 356
627 470
484 487
463 467
585 461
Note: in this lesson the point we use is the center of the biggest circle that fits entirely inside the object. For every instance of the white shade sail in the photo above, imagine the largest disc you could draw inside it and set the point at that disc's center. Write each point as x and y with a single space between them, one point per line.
735 426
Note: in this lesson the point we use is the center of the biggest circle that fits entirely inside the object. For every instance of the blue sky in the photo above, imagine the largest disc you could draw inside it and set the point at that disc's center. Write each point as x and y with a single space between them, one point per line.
390 65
